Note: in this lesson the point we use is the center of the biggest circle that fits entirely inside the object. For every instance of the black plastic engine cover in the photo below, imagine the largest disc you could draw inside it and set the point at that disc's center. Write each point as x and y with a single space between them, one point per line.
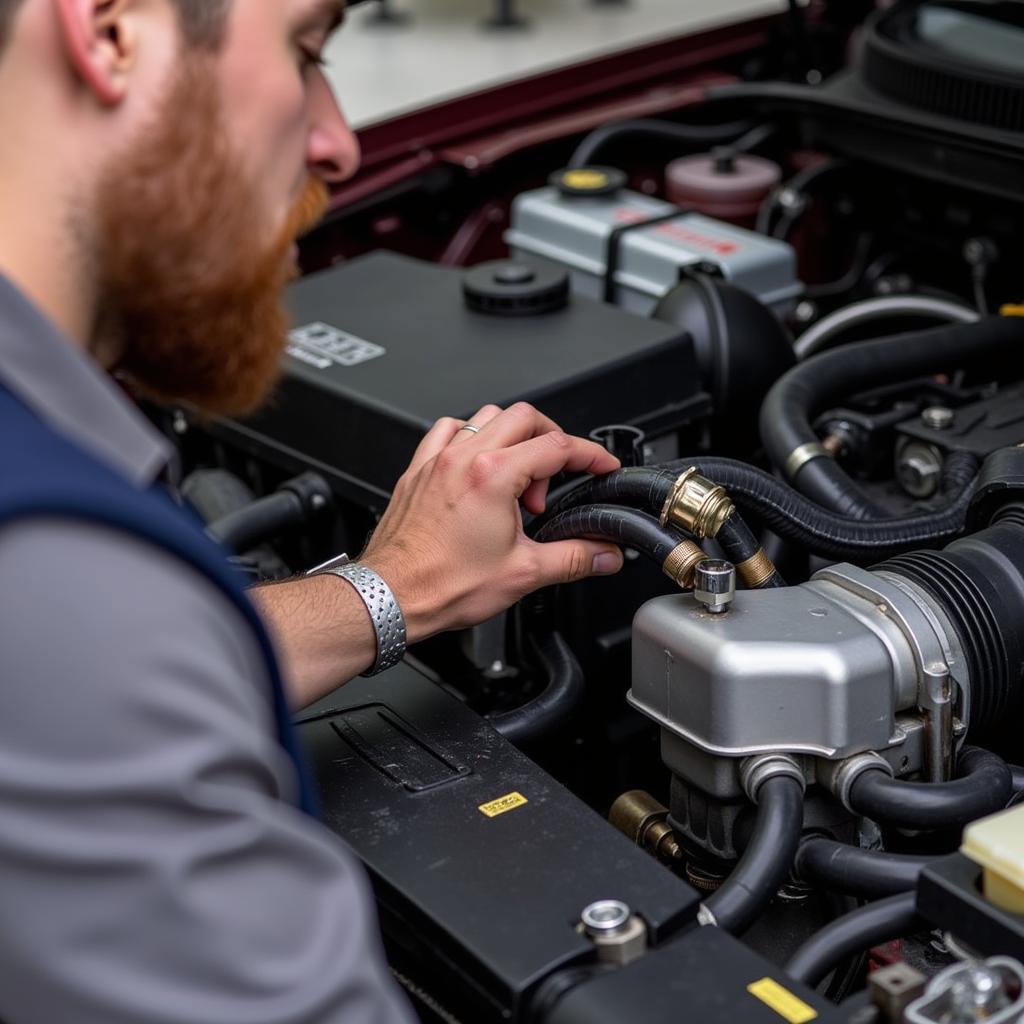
949 895
385 345
481 862
707 976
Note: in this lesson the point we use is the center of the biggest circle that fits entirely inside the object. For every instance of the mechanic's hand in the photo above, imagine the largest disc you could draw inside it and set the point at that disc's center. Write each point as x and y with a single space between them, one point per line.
451 543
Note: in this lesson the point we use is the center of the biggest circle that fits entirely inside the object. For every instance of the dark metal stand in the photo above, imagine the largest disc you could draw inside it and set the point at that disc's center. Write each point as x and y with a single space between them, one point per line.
386 16
506 17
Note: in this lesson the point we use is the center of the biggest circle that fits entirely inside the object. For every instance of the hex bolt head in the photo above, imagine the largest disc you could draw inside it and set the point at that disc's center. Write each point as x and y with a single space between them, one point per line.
805 311
920 476
619 936
714 584
791 200
978 994
179 423
938 417
605 916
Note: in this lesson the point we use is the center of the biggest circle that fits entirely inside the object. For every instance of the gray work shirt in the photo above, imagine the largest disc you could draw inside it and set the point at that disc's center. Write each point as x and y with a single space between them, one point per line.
152 869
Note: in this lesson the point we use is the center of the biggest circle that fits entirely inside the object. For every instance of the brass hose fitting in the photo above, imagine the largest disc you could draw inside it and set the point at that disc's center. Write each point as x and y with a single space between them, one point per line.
697 504
756 569
640 817
681 562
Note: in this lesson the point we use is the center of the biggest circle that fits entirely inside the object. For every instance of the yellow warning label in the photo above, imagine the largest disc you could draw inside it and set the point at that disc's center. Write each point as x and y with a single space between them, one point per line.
508 802
782 1001
585 179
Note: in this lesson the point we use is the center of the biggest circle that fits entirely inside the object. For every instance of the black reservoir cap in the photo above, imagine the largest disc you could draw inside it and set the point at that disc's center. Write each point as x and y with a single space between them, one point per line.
508 288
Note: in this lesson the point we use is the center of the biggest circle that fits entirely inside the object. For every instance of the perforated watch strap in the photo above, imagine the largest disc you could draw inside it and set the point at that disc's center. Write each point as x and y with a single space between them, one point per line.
386 616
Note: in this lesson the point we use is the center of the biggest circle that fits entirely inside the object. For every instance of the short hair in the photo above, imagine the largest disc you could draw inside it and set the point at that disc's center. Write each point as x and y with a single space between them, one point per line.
202 21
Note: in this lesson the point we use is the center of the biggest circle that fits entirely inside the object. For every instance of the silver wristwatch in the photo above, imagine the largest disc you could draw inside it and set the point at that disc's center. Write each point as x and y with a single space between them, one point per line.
386 616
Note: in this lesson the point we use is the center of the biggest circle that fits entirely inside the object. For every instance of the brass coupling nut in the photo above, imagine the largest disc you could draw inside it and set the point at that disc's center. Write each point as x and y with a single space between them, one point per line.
697 504
644 820
681 561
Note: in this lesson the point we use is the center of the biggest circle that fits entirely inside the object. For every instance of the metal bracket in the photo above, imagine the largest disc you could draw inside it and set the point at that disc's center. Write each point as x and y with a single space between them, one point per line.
931 647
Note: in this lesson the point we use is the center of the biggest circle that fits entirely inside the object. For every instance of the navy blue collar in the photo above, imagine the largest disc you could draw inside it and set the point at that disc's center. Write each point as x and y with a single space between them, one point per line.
69 392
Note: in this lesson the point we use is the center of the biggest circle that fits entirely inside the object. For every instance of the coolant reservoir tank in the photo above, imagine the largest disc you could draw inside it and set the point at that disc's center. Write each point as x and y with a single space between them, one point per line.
723 184
997 844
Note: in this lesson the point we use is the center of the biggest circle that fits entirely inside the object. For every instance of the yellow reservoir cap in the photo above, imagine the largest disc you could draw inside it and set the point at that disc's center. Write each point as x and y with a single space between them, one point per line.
586 178
997 844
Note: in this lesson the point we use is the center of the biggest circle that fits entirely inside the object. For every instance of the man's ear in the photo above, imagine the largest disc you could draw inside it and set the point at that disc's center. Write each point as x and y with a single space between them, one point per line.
99 44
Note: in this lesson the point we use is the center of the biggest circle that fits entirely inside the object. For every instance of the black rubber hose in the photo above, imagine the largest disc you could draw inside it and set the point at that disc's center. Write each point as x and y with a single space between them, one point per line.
1017 799
788 513
625 526
1016 778
265 518
810 387
688 135
867 926
983 788
294 504
641 488
849 869
555 704
766 861
959 471
647 490
739 543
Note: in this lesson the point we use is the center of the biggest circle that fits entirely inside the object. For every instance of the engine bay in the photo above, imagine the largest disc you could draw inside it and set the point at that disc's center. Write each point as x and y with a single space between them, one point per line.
775 269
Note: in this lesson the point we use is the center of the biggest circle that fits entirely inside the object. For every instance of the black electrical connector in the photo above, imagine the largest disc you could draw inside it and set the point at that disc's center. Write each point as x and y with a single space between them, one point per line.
295 503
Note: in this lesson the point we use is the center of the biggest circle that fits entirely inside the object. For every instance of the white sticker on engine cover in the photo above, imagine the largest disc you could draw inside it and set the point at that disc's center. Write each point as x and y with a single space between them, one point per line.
321 345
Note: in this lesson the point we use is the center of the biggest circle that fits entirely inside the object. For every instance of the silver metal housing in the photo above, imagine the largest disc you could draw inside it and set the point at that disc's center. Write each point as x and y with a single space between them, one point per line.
849 662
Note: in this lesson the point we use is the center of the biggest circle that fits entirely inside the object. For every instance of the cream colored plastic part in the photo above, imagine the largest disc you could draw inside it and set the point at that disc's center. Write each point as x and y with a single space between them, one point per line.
997 844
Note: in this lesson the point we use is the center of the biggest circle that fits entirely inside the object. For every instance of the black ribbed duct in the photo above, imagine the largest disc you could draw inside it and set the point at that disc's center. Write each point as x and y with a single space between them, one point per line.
962 59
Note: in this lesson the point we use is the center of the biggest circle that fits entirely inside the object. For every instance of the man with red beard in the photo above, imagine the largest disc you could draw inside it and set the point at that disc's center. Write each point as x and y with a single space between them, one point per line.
159 158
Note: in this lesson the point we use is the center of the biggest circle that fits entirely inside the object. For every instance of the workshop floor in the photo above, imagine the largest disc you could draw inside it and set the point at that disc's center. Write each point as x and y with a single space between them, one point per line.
444 50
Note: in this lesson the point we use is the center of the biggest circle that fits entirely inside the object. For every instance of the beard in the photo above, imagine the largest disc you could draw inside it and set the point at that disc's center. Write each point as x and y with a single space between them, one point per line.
191 278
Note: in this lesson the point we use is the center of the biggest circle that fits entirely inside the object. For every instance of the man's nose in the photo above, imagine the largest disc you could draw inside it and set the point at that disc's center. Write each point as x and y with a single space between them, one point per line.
333 151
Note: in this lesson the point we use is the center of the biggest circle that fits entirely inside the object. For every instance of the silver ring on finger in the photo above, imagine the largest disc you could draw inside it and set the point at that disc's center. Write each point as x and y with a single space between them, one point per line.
471 427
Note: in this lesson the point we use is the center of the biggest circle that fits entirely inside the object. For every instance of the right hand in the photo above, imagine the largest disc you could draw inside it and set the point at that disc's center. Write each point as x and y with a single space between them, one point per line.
451 544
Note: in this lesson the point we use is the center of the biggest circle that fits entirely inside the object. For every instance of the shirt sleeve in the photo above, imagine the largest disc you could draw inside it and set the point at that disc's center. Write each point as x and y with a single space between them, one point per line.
151 868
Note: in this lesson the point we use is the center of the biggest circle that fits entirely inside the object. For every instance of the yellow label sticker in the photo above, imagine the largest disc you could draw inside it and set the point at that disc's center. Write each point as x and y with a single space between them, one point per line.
508 802
782 1001
585 179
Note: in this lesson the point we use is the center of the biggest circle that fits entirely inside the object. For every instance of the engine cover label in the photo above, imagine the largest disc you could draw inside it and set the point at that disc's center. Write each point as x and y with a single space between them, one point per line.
321 346
782 1001
508 802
